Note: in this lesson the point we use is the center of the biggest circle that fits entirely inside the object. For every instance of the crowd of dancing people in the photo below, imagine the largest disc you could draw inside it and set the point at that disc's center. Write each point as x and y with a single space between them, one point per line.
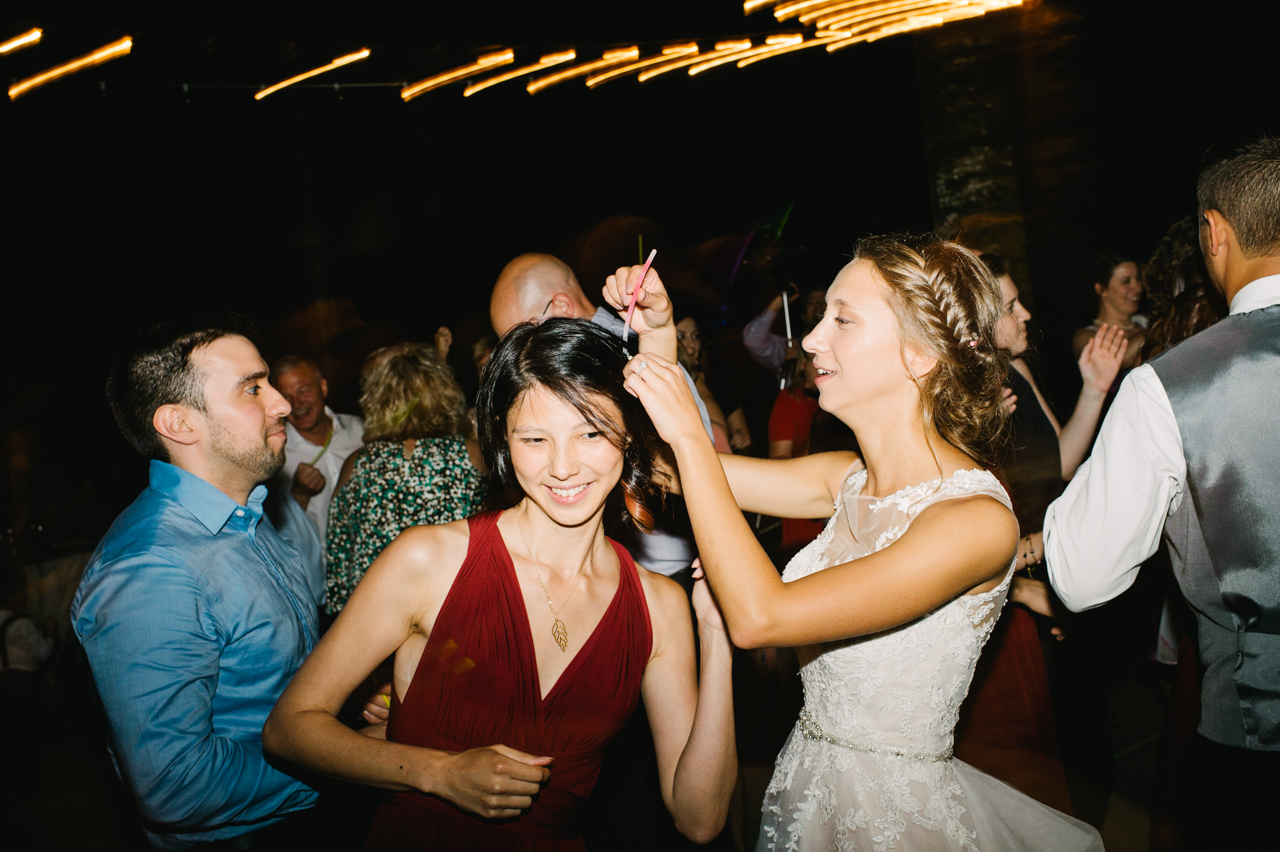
511 622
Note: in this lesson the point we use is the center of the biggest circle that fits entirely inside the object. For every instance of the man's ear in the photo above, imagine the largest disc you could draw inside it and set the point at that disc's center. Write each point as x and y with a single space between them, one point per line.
561 306
1219 231
324 389
177 423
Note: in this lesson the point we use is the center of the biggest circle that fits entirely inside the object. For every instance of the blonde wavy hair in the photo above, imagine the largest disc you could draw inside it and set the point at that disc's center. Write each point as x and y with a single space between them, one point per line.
408 391
947 304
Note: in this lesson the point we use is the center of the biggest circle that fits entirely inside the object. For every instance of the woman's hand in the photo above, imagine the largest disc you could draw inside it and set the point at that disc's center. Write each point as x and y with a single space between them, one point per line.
661 388
1034 595
653 305
495 782
377 709
704 605
1010 400
1101 357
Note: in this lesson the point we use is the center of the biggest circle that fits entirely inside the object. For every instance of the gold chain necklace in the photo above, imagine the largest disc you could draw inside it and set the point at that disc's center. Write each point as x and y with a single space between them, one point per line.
559 632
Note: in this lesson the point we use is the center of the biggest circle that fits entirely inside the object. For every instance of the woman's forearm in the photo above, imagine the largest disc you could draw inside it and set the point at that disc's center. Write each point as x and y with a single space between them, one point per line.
1030 554
1077 433
315 740
739 571
708 767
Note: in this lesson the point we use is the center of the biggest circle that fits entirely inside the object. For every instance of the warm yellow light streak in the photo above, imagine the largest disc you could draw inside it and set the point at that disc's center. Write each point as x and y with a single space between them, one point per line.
103 54
489 60
847 19
611 57
817 41
681 62
622 71
857 10
870 30
840 44
29 37
841 23
551 59
920 22
771 43
796 7
337 63
884 27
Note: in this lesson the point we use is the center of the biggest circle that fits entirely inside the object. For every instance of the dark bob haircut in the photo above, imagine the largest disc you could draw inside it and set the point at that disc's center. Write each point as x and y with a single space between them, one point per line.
581 363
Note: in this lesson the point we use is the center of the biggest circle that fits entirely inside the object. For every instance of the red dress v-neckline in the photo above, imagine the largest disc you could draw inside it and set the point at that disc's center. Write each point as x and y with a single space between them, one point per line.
477 685
514 580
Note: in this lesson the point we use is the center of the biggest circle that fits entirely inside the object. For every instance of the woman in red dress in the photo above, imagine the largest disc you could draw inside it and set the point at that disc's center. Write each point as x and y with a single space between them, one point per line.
524 639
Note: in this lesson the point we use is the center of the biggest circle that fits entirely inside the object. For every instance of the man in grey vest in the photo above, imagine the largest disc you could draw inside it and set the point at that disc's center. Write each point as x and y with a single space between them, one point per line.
1190 449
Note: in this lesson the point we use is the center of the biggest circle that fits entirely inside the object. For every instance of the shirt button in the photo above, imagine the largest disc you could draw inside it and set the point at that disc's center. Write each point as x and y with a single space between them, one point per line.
239 513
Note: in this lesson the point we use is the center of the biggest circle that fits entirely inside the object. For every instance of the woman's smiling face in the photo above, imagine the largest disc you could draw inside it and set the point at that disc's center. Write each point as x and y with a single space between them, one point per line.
857 345
1123 290
565 464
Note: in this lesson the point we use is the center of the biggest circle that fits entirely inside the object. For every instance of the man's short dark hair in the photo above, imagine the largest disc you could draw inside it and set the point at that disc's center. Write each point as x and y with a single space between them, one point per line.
1243 184
156 369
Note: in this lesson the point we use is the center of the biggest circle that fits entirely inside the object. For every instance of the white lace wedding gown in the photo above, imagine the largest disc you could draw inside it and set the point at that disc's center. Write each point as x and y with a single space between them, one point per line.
869 766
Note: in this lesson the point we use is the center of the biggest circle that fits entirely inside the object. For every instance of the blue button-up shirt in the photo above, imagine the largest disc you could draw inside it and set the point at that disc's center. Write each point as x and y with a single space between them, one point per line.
194 615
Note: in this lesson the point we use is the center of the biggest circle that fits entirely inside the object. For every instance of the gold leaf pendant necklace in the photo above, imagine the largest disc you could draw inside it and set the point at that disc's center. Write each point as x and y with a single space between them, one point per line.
559 632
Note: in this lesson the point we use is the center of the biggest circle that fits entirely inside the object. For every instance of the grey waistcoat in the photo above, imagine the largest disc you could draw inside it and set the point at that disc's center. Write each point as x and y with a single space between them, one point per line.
1224 538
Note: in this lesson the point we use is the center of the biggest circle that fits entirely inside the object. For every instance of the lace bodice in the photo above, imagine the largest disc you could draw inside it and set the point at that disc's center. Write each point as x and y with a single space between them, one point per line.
902 688
869 764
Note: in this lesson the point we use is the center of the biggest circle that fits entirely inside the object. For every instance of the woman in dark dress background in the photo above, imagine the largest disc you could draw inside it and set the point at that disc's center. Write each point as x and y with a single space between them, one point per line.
1007 728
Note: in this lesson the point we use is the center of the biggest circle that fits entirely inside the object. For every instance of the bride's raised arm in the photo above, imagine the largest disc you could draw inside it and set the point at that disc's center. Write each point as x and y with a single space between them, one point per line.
952 548
792 488
804 487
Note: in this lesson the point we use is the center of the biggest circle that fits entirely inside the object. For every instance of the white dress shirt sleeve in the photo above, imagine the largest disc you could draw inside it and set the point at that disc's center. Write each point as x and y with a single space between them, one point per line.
1109 520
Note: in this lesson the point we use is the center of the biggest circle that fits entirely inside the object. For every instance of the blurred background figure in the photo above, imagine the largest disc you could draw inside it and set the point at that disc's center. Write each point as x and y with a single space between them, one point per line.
420 463
790 426
728 421
320 440
1183 300
1007 726
26 645
1118 286
772 350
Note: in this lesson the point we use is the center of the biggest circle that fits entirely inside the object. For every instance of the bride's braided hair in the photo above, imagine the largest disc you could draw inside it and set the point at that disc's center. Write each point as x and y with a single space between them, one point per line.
947 304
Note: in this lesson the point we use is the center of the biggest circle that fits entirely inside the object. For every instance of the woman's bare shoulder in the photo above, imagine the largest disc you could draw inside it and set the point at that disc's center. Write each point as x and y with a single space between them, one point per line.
977 527
426 551
660 590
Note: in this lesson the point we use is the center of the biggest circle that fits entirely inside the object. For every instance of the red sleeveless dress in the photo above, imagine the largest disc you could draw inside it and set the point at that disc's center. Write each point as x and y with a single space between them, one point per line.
477 685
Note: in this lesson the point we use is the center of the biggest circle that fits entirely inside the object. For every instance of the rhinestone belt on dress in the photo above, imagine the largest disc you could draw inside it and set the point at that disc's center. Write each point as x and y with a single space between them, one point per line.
811 730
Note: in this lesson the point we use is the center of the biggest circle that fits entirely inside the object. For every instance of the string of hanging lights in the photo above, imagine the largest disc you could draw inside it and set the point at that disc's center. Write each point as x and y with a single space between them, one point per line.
829 24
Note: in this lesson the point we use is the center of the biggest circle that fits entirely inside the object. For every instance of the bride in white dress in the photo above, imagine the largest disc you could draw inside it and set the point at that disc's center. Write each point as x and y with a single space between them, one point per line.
891 605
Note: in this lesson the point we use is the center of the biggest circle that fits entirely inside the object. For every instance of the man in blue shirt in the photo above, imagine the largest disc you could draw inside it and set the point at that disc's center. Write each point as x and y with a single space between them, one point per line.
193 612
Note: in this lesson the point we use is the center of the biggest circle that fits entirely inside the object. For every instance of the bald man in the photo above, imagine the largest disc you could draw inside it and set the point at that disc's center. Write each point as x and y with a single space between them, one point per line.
536 286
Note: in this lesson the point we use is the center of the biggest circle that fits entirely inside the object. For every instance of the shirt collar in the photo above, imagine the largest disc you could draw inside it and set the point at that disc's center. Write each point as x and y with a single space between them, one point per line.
1259 293
294 437
209 505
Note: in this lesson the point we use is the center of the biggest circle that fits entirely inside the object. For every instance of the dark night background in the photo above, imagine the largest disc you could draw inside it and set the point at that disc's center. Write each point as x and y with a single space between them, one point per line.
130 197
343 219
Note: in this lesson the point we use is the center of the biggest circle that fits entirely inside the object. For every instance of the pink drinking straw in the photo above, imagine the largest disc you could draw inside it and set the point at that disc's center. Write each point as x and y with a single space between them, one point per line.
635 294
